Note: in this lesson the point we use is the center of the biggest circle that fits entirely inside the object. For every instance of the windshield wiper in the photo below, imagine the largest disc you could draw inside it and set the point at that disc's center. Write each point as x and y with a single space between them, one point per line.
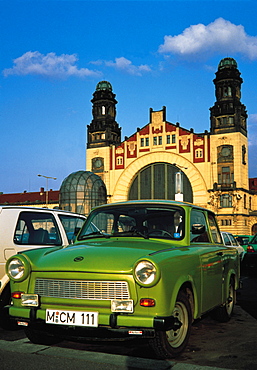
95 233
140 233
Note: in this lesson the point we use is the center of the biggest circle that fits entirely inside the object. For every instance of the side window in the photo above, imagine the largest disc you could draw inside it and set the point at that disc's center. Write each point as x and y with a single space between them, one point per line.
36 228
214 229
71 225
198 227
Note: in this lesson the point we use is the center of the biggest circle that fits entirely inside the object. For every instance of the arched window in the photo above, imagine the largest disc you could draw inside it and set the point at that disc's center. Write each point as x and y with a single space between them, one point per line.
158 181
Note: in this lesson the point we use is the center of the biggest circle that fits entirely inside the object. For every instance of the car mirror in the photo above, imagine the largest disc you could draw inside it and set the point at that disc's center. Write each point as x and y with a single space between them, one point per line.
198 229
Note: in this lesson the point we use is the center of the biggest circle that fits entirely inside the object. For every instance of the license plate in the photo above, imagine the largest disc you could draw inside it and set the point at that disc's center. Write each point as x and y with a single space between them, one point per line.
76 318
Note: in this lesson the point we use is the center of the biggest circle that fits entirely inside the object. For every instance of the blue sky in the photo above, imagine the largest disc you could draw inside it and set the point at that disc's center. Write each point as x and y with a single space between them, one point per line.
154 53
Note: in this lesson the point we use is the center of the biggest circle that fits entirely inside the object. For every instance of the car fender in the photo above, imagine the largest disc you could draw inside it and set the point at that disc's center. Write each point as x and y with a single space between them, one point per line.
185 282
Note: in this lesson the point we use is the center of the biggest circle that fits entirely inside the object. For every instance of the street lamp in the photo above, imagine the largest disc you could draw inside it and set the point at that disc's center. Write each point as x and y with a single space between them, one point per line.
47 178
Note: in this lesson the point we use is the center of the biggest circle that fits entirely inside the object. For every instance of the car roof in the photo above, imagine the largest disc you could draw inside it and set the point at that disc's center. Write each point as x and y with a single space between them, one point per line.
56 210
153 202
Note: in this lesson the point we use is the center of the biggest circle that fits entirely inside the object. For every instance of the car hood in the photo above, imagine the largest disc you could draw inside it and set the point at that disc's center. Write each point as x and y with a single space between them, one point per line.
99 255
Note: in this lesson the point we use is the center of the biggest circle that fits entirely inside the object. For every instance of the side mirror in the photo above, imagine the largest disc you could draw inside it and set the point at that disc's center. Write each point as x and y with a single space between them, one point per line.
198 229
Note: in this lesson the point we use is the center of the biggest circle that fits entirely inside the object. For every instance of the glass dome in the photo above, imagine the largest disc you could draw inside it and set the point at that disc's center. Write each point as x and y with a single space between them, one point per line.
227 62
103 85
81 191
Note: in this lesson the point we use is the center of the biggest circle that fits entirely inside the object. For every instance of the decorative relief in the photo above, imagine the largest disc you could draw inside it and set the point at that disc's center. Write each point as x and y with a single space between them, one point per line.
184 142
198 142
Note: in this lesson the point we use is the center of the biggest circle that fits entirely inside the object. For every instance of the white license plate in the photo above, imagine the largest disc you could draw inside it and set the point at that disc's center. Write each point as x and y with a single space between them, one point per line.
76 318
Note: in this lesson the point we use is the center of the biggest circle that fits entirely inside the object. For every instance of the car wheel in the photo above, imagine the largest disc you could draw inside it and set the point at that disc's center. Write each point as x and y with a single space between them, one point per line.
6 322
224 312
171 343
39 337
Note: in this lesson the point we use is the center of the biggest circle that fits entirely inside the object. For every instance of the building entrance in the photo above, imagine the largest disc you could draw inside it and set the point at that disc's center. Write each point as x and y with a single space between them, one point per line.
160 181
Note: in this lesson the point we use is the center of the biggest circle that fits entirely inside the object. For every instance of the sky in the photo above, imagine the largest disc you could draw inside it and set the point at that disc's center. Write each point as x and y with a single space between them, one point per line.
154 54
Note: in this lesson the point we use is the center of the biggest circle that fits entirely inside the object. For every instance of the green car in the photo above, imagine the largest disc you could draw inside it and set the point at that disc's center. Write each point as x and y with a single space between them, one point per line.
137 269
243 240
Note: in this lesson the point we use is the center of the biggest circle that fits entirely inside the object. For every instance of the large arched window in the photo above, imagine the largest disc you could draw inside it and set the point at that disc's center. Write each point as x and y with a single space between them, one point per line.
158 181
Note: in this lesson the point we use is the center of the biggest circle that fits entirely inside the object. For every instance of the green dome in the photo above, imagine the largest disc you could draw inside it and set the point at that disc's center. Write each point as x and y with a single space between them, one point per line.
227 62
103 85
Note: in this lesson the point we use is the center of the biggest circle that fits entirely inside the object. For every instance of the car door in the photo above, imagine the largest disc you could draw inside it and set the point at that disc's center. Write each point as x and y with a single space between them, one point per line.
211 260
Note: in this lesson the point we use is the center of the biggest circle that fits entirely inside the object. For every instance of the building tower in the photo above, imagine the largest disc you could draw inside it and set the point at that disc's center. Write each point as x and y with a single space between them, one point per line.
103 130
230 158
228 114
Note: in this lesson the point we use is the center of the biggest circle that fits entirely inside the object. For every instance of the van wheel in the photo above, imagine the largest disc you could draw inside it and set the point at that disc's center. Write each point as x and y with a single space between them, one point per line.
6 322
171 343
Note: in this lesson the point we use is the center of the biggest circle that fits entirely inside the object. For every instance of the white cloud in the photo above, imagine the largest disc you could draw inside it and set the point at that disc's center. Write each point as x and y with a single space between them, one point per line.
125 65
220 36
49 65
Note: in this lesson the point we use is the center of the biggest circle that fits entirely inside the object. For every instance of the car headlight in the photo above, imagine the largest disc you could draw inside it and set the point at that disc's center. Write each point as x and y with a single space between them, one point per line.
17 268
146 273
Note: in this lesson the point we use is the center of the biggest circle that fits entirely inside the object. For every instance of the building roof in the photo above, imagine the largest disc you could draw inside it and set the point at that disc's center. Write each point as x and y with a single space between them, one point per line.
27 198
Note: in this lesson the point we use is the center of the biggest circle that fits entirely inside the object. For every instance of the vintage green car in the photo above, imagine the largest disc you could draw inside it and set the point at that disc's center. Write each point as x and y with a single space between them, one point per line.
137 269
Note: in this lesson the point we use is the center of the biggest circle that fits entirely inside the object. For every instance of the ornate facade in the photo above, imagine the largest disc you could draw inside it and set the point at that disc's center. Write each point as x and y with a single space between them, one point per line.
163 160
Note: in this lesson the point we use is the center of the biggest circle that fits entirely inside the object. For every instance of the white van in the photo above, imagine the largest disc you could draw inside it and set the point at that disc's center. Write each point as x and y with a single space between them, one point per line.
23 228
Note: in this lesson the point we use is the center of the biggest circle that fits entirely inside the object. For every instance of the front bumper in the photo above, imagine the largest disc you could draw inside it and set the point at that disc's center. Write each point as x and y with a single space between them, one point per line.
119 326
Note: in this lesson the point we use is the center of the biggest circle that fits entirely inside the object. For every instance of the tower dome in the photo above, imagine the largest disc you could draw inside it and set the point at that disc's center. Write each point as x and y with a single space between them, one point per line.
227 62
103 85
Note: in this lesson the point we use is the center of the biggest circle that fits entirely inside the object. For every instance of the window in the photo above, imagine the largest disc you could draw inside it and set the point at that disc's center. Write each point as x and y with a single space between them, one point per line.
142 142
225 201
160 140
147 141
119 161
155 140
198 220
214 229
199 153
157 181
37 229
71 225
168 139
173 138
103 110
225 177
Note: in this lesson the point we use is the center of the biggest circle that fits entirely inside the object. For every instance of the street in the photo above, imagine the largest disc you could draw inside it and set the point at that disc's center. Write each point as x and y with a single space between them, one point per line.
229 345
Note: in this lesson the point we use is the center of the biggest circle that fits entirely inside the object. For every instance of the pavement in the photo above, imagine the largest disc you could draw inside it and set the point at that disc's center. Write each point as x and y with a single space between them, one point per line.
212 346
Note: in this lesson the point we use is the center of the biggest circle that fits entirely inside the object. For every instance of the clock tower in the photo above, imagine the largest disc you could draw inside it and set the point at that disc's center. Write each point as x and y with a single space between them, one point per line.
229 153
228 114
103 130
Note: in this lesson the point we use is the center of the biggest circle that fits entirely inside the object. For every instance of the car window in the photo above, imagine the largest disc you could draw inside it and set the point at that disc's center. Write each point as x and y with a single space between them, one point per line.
155 222
36 228
226 239
214 228
198 220
71 224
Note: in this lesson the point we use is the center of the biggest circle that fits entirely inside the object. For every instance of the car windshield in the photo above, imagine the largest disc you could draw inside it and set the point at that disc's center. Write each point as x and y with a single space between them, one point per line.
253 240
130 221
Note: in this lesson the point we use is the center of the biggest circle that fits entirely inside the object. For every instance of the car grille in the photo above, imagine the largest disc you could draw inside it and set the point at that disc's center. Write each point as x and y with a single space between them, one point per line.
81 289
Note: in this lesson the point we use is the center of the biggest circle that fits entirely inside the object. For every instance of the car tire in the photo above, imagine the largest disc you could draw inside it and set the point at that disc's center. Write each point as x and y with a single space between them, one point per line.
224 312
39 337
6 322
169 344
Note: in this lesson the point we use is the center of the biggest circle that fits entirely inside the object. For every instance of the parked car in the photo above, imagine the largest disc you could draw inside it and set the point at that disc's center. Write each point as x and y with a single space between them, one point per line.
251 255
137 269
230 241
243 240
24 228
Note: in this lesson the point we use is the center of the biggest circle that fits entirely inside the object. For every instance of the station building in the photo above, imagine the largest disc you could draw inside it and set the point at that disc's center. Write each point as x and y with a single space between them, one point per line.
163 160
